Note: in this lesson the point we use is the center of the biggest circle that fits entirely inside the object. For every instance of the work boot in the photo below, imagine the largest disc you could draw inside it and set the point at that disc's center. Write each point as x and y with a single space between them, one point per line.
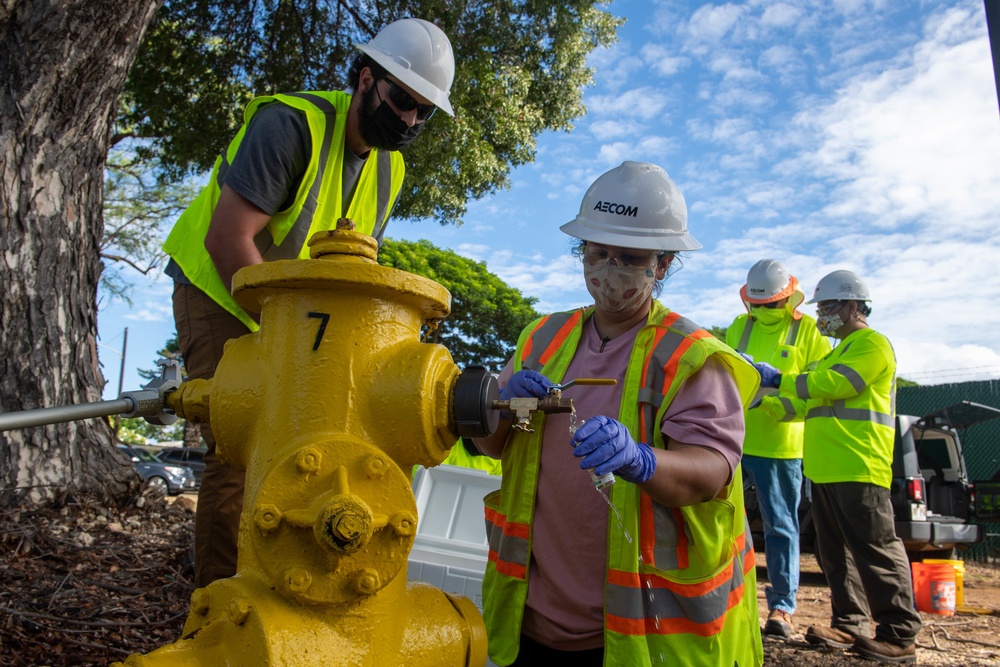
831 637
884 651
779 624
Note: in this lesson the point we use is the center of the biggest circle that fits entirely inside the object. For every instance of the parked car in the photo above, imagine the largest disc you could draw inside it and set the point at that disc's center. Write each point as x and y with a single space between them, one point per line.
169 478
937 508
191 457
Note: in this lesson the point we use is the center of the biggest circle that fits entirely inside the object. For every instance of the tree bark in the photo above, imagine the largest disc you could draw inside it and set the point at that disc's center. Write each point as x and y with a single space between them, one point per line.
62 64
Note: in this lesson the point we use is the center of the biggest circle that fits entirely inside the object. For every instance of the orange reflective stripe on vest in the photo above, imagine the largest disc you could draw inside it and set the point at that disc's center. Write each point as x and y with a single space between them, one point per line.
648 604
508 544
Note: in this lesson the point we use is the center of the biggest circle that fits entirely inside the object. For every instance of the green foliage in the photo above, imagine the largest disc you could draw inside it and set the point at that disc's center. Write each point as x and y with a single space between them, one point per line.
520 70
137 431
486 314
138 208
718 332
903 382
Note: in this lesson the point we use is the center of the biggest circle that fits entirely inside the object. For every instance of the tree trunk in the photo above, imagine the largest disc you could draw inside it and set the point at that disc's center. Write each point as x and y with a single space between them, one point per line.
62 63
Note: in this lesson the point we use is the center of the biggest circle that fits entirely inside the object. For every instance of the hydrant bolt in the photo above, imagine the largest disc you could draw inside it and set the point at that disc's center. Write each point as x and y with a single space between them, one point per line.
345 528
307 461
367 582
375 466
238 610
403 523
267 518
200 601
298 579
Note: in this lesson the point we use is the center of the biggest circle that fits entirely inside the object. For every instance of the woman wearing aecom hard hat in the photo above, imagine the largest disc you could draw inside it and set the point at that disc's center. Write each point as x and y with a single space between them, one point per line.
673 582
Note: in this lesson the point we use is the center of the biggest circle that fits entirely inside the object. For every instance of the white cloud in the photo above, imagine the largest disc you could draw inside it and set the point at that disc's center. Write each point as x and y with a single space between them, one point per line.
644 103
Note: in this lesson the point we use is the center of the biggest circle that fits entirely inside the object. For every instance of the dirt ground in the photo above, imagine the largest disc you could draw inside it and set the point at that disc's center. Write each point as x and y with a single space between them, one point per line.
963 639
83 585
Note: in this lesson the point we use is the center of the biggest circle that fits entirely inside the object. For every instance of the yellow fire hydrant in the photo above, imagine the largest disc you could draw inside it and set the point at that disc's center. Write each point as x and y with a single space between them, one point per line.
325 407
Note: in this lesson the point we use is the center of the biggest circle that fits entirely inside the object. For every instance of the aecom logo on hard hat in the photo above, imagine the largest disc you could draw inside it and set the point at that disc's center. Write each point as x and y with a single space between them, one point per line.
618 209
757 290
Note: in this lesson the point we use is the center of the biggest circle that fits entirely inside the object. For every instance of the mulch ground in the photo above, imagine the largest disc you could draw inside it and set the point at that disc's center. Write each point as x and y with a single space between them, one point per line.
82 584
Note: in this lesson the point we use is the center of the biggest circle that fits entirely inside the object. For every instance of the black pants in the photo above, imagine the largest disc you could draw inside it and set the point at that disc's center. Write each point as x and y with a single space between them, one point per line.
533 654
864 562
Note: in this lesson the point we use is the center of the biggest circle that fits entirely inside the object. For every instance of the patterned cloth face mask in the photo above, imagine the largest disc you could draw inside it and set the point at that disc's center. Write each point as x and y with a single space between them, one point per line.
617 289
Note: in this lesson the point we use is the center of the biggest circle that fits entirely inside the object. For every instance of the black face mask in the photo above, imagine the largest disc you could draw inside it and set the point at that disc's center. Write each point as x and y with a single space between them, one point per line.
382 128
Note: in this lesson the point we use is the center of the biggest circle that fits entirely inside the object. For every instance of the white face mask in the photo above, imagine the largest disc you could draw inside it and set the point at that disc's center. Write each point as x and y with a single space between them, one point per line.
616 289
830 323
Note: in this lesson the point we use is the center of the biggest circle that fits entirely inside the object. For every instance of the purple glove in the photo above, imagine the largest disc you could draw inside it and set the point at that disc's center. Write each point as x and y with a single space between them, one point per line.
746 356
607 447
769 375
526 384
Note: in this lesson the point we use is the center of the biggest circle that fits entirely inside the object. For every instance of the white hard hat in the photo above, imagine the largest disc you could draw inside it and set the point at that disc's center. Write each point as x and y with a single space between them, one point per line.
840 286
635 205
419 55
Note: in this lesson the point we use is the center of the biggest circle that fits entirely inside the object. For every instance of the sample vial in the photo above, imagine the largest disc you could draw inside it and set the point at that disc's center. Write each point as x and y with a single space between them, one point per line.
600 481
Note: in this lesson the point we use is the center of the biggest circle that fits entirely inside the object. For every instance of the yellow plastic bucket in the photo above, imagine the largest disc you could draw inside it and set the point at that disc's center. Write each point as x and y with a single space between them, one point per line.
934 588
959 576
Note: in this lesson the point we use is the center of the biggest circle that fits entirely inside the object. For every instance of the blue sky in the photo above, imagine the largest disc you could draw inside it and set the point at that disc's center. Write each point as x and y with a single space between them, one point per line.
828 134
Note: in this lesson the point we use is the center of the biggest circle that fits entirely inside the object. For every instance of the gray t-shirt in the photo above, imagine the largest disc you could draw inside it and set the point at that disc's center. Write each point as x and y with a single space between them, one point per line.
271 161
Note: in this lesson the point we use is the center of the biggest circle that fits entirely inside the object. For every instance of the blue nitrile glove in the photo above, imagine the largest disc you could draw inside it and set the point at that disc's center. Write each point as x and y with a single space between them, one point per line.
746 356
606 446
769 375
526 384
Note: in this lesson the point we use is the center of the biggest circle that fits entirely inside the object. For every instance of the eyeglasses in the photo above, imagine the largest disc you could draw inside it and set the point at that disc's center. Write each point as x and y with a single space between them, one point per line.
828 307
771 304
598 256
405 102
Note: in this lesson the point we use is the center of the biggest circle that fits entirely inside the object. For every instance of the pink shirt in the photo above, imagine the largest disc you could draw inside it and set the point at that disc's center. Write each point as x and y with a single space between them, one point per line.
565 606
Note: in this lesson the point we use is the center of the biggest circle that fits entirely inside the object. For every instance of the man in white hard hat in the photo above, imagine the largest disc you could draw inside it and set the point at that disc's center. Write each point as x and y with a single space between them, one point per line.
672 579
774 331
848 403
300 162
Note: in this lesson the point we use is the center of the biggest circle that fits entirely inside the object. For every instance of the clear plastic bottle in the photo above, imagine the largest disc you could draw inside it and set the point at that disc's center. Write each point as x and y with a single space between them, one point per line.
601 482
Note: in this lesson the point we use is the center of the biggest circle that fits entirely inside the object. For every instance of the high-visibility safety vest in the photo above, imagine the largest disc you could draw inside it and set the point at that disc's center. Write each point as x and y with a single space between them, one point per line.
848 403
683 592
317 206
792 346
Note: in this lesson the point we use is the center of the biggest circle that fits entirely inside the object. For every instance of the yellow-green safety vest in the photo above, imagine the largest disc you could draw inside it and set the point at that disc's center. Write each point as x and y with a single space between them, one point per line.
792 346
683 591
848 403
317 206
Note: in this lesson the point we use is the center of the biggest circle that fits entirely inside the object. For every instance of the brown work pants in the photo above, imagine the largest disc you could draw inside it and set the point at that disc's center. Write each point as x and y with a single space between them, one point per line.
203 328
864 562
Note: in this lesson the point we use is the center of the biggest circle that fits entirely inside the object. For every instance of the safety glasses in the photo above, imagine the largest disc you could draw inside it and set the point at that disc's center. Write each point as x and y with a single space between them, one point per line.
598 256
405 102
829 307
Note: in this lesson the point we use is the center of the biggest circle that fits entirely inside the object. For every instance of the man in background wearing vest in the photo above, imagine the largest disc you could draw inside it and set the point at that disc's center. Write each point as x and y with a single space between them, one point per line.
300 162
672 580
775 332
848 403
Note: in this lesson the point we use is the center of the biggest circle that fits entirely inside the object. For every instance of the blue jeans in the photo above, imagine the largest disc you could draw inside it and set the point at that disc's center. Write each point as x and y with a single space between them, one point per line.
779 487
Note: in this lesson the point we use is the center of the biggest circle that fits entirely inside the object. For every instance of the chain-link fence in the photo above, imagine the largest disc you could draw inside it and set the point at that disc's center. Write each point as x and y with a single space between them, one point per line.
980 443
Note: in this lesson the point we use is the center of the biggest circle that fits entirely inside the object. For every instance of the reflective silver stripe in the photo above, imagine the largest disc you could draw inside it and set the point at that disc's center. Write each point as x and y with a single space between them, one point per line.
651 397
802 385
789 409
665 547
384 163
745 338
839 411
649 601
793 332
852 376
299 233
508 548
543 336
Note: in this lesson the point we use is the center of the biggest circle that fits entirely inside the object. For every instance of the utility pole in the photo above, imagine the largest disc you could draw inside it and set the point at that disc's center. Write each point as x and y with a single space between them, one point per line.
121 374
993 27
